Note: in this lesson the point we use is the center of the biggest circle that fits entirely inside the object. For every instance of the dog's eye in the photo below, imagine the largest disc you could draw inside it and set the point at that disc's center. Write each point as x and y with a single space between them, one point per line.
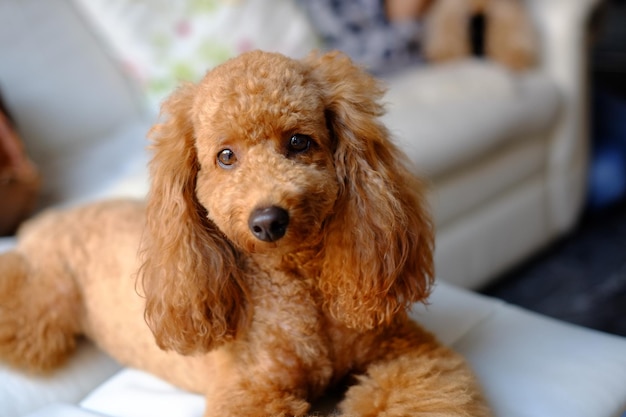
226 158
299 143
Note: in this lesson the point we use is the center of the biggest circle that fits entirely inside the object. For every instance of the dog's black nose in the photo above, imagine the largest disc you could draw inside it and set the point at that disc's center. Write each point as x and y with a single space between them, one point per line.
269 224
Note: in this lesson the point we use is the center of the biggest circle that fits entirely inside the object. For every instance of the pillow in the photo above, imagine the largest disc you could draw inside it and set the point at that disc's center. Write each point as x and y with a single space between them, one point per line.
458 82
161 43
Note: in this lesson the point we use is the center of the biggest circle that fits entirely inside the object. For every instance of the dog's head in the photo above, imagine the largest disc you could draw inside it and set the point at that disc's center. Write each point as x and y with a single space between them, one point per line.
273 155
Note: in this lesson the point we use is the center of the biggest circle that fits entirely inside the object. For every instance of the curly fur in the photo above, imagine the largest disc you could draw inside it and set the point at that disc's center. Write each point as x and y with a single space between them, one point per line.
260 327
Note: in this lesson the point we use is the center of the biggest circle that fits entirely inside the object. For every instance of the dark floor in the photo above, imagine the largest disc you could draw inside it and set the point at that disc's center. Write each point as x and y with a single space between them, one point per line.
580 279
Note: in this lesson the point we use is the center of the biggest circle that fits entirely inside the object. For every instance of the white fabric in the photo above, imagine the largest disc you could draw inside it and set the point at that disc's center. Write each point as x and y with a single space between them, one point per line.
484 242
97 170
469 80
457 193
539 367
564 46
6 243
531 365
451 313
64 410
132 393
21 393
67 97
449 132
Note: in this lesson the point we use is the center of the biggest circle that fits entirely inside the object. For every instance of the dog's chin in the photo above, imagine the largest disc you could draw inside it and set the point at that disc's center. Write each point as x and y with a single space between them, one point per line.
293 241
279 247
256 246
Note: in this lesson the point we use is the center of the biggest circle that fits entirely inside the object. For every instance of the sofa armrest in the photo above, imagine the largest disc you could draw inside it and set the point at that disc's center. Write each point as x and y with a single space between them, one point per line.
562 27
562 30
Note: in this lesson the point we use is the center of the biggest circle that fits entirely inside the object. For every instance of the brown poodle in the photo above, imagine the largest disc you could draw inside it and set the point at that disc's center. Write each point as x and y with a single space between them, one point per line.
281 245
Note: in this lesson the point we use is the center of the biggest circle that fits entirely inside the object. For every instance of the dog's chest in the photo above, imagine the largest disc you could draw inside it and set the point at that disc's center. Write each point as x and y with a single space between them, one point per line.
287 301
288 312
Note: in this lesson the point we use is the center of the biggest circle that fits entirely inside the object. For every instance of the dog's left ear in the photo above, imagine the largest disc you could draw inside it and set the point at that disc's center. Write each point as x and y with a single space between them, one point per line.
378 249
196 299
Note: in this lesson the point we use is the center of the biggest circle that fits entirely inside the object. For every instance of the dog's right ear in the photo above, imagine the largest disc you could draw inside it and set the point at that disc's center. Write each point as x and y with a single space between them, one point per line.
379 242
195 296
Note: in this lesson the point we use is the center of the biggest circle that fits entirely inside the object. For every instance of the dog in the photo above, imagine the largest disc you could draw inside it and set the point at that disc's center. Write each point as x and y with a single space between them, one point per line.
282 241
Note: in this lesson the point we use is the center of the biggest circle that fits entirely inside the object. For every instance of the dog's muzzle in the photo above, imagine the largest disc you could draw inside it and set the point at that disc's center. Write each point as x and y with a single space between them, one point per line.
269 224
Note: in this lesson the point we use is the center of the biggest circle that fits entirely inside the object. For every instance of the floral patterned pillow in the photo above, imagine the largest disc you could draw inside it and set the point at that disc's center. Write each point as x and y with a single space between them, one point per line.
162 42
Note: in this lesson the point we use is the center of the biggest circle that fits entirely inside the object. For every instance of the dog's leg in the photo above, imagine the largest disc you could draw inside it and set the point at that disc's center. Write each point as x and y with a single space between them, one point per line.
280 365
267 380
248 400
415 376
255 390
38 314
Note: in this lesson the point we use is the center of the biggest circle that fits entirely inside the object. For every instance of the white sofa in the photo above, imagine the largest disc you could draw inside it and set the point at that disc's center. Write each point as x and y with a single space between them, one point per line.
506 156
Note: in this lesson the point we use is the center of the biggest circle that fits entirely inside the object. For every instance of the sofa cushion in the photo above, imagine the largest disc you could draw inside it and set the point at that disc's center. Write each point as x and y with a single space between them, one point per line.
92 170
460 191
21 393
64 91
445 116
63 410
161 44
138 394
483 242
531 365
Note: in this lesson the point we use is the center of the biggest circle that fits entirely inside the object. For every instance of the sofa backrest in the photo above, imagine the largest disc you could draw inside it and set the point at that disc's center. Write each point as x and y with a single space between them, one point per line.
62 88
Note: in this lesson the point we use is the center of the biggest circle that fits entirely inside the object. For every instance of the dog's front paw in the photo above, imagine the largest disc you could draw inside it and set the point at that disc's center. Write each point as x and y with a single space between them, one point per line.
256 404
427 381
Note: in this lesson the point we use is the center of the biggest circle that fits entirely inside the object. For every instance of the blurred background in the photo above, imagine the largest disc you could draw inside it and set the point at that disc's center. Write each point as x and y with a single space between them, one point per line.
582 278
523 143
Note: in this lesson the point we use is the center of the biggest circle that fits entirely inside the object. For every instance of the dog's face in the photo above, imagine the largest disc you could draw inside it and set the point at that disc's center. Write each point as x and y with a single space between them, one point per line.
279 155
266 173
